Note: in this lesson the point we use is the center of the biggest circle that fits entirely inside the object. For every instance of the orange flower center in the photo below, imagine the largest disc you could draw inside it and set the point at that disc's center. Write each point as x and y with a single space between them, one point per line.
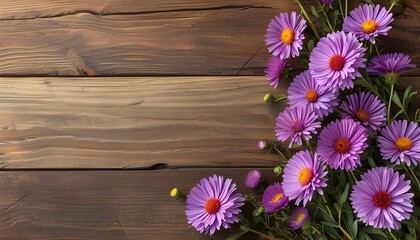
403 144
362 115
297 126
299 217
212 205
276 197
369 26
336 62
287 36
342 145
312 96
382 199
305 176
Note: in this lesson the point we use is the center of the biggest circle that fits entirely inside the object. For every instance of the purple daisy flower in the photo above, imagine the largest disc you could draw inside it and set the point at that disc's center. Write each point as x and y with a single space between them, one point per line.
305 91
382 199
327 1
213 203
274 69
390 64
365 108
299 217
253 179
367 22
400 142
341 143
274 199
296 123
285 35
334 62
303 175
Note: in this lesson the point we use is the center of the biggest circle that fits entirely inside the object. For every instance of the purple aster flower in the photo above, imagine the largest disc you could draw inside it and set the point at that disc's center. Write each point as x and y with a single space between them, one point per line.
299 217
274 198
334 62
382 199
390 64
303 175
305 91
285 35
213 203
341 143
274 69
367 22
365 108
327 1
400 142
253 179
296 123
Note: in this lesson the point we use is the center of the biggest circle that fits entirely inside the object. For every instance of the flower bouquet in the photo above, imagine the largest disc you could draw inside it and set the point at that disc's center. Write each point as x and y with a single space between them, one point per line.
348 169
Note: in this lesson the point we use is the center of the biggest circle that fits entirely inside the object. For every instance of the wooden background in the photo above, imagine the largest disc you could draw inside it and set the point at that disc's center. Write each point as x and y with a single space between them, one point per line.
177 96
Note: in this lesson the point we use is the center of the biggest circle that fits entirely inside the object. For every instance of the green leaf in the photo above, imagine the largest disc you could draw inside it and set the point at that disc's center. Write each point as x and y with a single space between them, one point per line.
329 224
353 229
311 45
376 231
323 237
343 196
371 162
314 12
396 100
236 236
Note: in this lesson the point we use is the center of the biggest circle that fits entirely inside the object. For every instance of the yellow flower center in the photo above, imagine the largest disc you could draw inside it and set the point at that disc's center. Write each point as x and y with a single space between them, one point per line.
362 115
311 96
369 26
342 145
305 176
277 197
299 217
287 36
403 144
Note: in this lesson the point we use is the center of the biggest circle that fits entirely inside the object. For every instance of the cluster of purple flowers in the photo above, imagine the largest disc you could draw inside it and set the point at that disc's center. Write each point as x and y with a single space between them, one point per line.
382 198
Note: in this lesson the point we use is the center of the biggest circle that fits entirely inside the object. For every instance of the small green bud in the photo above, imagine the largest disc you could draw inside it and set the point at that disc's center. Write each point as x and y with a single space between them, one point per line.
391 78
278 170
268 98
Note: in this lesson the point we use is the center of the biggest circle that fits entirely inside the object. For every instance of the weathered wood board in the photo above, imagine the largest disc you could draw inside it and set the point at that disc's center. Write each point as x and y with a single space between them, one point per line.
73 38
135 122
101 204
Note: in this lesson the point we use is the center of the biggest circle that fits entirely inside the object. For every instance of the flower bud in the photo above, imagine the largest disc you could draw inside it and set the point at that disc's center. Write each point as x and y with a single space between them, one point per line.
175 193
258 211
278 170
391 78
253 179
261 144
268 98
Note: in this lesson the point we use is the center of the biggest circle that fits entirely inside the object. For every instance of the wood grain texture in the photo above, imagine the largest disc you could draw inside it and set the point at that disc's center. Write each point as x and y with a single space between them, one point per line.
172 37
102 204
134 122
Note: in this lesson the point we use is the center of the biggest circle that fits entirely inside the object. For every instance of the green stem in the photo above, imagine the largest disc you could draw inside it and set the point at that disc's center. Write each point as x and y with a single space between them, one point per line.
316 230
326 16
346 7
341 9
372 89
392 235
280 98
391 93
344 232
392 5
263 235
413 176
308 19
281 154
354 177
308 144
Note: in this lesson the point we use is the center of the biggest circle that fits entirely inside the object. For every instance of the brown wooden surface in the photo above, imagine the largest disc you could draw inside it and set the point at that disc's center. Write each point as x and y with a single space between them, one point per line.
74 151
101 204
134 122
170 37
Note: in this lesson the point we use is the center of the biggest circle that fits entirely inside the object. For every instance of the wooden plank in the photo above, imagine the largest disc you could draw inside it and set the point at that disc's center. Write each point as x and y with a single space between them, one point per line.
174 37
134 122
101 204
